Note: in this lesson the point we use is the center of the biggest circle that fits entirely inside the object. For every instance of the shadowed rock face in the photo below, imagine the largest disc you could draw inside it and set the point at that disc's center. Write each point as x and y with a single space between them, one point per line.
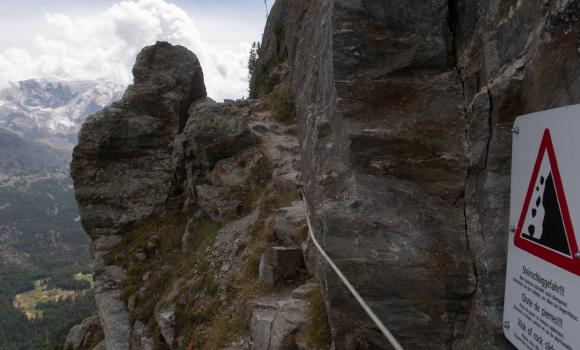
122 166
404 112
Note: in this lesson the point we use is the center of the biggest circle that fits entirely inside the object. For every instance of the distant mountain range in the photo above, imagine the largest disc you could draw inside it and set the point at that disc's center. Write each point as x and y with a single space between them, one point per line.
40 233
51 111
39 122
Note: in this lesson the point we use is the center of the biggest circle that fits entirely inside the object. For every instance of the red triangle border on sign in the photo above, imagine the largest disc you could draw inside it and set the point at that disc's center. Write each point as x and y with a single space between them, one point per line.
570 264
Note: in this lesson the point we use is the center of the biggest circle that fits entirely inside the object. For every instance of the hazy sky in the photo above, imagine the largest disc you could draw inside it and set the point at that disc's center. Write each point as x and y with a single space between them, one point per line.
91 39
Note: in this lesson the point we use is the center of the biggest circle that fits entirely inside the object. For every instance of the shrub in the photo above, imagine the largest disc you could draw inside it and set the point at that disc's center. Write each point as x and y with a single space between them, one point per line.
257 74
282 107
320 335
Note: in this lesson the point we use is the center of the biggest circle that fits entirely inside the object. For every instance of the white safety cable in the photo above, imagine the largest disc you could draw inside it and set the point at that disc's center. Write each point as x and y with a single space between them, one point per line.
356 295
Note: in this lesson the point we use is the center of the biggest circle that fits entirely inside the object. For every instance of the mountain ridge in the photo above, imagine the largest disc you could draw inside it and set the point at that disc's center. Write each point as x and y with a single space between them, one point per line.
50 111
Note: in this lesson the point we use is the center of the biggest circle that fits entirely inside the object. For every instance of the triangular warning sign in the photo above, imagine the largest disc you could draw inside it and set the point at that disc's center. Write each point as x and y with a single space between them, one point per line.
544 228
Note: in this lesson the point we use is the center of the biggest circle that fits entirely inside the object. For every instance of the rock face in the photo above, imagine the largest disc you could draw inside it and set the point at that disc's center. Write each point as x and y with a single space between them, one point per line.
405 111
291 223
277 322
132 141
180 194
83 336
122 166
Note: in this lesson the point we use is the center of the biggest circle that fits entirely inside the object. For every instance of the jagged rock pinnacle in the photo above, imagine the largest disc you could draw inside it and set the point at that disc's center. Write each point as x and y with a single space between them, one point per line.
122 165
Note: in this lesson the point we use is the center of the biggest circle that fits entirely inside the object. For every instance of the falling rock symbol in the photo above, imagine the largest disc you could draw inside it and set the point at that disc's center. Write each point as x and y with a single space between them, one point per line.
544 224
544 228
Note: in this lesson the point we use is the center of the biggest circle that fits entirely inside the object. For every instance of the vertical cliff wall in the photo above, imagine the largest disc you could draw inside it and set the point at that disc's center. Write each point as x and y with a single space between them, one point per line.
405 112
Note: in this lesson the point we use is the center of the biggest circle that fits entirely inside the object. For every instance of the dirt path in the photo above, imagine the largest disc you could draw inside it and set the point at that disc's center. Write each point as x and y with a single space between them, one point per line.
280 143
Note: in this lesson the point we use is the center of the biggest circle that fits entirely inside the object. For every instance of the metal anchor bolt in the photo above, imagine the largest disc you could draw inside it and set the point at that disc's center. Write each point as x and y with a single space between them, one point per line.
512 228
516 131
506 325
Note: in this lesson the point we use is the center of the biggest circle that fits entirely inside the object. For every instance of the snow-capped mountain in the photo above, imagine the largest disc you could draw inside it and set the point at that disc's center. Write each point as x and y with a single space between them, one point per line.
38 213
50 111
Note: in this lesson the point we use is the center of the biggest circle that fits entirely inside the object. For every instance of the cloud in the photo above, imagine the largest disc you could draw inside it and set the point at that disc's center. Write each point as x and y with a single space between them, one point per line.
104 46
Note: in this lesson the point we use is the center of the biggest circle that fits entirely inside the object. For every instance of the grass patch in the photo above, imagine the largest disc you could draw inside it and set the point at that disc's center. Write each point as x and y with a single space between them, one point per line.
222 331
283 109
160 237
204 232
215 318
30 302
262 231
277 197
207 313
253 260
320 335
135 274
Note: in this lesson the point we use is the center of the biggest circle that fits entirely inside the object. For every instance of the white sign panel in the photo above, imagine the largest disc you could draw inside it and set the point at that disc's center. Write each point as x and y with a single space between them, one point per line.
542 296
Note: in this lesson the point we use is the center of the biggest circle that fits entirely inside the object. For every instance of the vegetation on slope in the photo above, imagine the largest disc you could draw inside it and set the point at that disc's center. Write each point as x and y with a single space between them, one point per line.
166 272
283 109
17 332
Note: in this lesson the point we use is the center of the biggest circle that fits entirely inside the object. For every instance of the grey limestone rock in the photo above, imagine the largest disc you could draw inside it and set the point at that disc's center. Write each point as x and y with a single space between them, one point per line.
121 167
216 131
213 132
139 339
101 346
165 318
291 223
114 318
277 321
216 204
84 334
383 146
404 117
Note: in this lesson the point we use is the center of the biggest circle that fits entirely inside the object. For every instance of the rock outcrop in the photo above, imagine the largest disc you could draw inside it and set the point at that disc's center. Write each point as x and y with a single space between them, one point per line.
180 195
86 335
402 145
405 112
122 166
132 142
280 322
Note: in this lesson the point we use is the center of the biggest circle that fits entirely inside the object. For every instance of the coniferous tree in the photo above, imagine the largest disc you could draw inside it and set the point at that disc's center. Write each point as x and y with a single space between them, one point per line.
253 70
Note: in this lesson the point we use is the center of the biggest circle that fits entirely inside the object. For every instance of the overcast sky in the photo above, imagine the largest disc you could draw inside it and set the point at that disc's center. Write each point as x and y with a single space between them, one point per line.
92 39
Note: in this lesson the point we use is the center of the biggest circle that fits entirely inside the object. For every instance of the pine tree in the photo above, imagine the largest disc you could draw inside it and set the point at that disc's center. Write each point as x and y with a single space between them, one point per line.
253 69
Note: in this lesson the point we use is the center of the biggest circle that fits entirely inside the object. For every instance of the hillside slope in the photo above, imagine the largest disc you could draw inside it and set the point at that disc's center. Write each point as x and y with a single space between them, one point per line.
195 215
40 232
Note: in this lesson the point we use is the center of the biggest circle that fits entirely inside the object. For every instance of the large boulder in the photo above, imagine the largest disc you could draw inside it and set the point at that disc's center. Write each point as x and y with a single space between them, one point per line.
213 132
277 322
121 167
290 225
